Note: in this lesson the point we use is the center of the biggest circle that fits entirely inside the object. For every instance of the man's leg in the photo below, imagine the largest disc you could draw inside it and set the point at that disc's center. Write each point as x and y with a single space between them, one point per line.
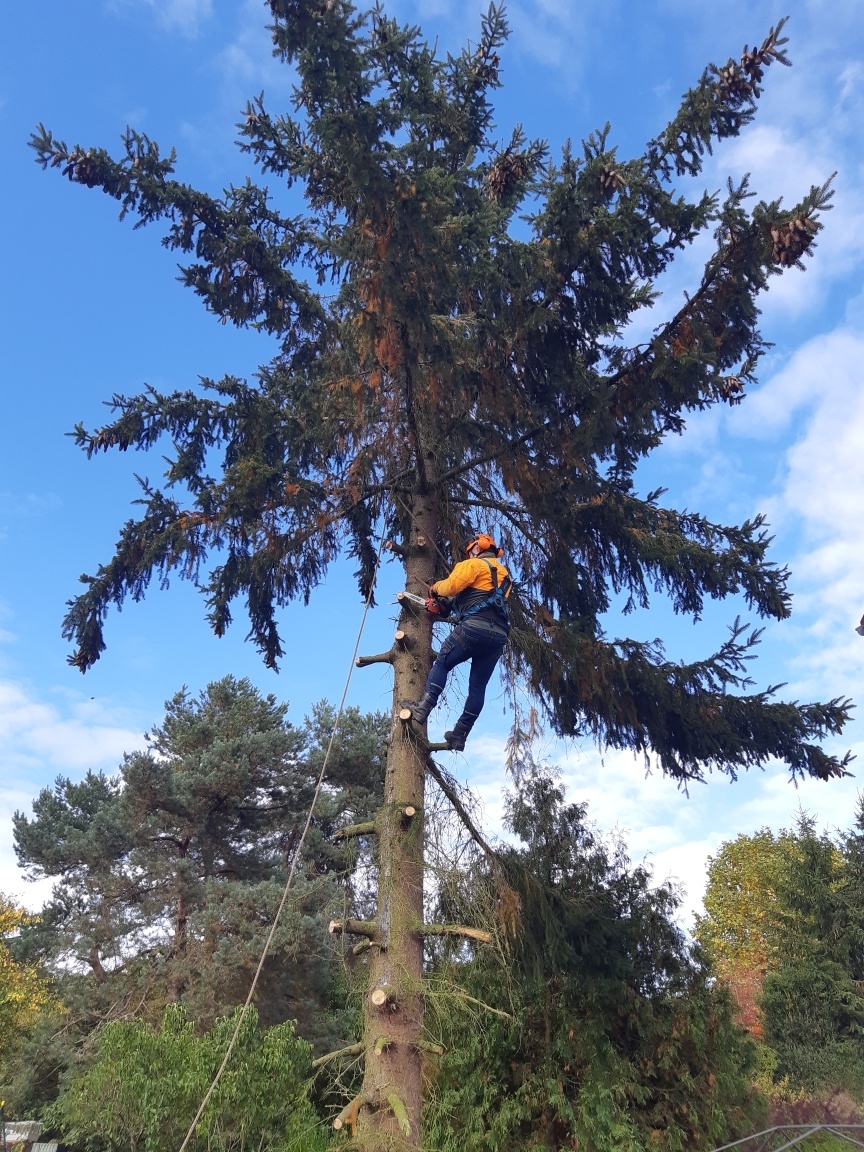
487 650
455 650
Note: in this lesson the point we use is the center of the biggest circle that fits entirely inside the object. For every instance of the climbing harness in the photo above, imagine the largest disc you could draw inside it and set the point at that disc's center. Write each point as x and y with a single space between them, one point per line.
497 598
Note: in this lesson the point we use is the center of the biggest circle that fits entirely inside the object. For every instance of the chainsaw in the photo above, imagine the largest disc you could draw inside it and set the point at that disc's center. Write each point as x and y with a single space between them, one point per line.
431 604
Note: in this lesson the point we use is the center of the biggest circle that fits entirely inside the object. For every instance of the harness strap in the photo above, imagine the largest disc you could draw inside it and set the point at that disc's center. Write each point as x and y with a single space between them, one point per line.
496 599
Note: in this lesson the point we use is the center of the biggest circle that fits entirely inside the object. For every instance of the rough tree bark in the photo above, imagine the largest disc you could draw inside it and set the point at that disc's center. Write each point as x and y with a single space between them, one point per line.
393 1029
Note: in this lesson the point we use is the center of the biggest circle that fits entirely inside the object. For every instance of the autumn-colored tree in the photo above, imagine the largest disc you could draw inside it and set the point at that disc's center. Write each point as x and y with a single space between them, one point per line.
740 930
25 996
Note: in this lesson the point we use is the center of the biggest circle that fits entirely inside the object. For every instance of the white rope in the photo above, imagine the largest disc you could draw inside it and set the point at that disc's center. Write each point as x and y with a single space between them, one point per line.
275 923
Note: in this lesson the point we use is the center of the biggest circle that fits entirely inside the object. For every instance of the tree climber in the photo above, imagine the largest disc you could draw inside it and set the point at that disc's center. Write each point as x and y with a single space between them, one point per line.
474 595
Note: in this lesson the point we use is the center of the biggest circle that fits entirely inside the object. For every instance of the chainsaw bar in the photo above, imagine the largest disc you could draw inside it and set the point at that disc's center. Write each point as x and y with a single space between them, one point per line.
412 598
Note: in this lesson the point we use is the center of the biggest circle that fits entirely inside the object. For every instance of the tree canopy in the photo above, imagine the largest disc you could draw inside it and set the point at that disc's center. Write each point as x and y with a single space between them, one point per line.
144 1084
616 1036
452 316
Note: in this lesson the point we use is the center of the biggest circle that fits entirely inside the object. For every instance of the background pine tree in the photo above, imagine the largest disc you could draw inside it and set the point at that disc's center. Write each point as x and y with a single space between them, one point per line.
167 876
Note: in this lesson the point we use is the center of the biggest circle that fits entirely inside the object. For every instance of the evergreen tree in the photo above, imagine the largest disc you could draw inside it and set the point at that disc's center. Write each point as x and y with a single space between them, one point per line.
169 874
812 1000
440 368
782 928
615 1038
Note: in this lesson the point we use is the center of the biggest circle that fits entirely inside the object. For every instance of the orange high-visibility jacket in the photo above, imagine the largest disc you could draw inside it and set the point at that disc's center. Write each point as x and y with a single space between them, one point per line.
472 573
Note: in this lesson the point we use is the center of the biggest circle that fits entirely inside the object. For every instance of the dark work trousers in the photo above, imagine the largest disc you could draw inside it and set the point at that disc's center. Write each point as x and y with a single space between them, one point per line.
482 643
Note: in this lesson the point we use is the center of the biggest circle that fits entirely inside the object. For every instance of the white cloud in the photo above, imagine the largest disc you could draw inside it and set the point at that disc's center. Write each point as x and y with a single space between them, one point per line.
40 740
785 165
35 733
246 65
658 822
815 505
184 16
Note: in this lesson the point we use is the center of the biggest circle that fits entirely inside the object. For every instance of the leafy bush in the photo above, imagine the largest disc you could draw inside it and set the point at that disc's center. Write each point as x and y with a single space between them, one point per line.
145 1085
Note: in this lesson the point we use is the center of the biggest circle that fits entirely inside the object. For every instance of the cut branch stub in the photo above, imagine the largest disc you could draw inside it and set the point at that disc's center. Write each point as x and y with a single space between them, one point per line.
400 1112
457 930
420 541
351 1050
366 829
396 548
382 1044
401 639
379 658
411 602
350 1113
405 714
384 994
355 928
409 812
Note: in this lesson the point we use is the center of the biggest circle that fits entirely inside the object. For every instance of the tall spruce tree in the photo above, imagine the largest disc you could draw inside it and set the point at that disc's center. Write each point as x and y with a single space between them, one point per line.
439 368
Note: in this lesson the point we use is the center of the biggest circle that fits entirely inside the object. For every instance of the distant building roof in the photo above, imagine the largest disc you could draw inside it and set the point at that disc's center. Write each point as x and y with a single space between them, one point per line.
23 1131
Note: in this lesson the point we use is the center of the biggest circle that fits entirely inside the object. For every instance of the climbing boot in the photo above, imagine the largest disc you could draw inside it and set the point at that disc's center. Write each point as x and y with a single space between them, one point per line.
456 737
421 708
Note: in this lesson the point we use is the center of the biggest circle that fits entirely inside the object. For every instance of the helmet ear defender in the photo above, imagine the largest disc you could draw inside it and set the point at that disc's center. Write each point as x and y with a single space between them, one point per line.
486 543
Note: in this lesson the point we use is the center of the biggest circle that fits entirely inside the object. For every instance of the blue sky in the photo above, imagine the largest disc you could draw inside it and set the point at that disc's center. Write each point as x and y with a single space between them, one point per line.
90 307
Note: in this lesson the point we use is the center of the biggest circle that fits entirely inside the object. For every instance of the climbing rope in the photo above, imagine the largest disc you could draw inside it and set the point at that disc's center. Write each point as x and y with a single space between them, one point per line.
445 561
296 857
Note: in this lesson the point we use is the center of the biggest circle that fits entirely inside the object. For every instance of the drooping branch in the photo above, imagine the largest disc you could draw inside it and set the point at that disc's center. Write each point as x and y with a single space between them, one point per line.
488 457
447 786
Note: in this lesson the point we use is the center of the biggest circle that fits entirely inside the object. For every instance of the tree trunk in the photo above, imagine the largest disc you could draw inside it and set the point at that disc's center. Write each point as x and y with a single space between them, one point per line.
181 921
389 1116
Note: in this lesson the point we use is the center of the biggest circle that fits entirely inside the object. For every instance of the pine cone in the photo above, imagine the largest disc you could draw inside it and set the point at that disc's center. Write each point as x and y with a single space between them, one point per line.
732 389
752 64
733 83
85 171
611 181
790 241
486 70
509 168
755 60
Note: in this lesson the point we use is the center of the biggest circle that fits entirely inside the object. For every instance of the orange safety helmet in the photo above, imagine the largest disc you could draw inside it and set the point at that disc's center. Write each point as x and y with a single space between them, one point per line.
486 543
